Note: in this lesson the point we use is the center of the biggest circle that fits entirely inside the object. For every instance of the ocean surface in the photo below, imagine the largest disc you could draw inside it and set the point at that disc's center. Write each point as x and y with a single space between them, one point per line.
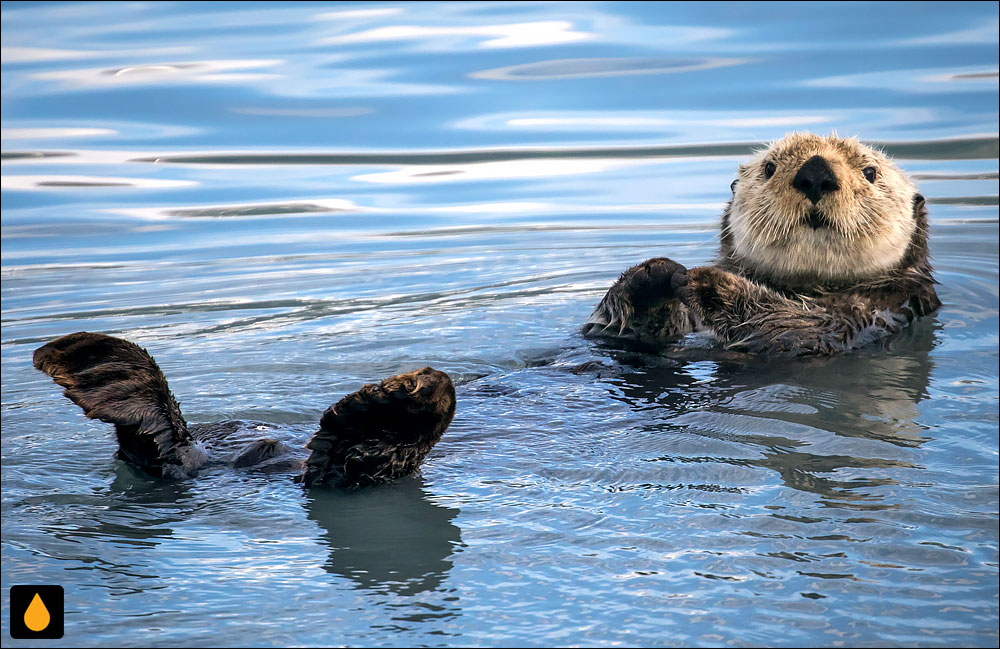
284 201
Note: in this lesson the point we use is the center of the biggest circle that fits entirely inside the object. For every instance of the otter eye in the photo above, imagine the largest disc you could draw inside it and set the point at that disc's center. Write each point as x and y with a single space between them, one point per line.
869 173
769 169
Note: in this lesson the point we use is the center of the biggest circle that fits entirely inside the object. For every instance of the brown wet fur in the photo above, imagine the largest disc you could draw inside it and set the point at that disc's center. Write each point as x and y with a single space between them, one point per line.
645 307
793 276
375 435
117 382
381 432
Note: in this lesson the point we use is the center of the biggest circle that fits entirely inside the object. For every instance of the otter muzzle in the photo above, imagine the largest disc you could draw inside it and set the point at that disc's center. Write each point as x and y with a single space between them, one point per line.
815 179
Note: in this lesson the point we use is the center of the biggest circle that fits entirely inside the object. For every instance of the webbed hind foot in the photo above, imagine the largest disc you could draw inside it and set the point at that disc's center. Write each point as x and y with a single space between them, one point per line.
381 432
118 382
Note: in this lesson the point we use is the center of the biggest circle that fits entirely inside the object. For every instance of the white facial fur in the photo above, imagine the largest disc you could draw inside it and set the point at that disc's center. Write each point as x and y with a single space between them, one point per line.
869 225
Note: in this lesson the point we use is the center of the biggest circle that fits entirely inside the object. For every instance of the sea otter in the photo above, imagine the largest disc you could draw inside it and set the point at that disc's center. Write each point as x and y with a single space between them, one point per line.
823 250
375 435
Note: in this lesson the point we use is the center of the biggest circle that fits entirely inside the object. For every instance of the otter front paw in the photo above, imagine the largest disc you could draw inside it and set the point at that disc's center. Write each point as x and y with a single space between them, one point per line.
704 289
679 284
651 282
643 305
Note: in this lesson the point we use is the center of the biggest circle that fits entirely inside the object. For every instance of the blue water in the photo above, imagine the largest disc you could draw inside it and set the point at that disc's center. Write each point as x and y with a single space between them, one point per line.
285 201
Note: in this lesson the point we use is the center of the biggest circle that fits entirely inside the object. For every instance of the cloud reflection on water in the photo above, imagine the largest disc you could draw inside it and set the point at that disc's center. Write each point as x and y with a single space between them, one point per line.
217 71
527 34
602 67
54 181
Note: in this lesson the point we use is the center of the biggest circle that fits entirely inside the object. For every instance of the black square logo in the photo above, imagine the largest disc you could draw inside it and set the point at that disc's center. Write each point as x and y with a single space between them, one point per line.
36 612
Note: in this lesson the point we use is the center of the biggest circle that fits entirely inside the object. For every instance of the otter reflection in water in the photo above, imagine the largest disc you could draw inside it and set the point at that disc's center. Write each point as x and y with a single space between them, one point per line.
392 538
854 415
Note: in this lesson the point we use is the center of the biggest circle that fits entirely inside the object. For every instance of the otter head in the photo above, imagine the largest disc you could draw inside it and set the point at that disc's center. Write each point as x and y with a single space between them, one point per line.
813 208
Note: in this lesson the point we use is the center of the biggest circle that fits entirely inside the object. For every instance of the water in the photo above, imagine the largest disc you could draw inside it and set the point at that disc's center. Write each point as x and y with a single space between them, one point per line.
283 202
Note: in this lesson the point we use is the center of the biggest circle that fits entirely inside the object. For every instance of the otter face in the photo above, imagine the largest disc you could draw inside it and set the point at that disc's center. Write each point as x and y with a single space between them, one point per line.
821 208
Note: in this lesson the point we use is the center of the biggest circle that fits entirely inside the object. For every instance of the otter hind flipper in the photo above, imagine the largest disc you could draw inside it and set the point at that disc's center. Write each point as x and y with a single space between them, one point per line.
118 382
381 432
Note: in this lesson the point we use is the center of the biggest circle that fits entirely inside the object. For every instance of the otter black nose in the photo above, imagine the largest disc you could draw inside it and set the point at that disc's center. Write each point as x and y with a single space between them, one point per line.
815 179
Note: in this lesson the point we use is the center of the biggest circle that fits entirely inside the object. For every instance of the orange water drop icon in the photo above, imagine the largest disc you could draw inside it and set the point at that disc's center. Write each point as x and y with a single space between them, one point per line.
37 616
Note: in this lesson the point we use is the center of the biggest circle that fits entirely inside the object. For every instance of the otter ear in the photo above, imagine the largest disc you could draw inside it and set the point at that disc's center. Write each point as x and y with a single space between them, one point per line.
919 205
732 185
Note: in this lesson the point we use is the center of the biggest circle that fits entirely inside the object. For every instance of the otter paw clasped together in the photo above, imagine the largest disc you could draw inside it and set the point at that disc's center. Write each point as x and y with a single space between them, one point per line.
375 435
643 305
823 250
